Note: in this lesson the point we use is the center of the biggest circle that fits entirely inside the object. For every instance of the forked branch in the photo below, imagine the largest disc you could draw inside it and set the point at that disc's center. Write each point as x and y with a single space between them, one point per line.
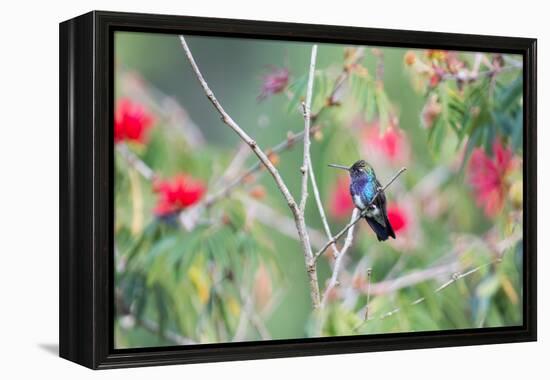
264 159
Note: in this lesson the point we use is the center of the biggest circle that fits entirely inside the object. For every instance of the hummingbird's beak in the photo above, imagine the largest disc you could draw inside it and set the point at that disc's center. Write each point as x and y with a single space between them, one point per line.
339 166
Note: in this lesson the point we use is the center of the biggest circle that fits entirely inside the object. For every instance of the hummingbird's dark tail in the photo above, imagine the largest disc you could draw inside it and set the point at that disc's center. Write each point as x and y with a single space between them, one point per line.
382 232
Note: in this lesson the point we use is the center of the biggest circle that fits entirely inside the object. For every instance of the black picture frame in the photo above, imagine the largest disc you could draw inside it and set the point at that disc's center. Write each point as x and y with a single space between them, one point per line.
86 189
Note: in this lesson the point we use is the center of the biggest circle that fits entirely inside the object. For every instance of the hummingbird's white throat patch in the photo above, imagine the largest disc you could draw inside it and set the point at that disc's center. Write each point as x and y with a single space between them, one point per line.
358 202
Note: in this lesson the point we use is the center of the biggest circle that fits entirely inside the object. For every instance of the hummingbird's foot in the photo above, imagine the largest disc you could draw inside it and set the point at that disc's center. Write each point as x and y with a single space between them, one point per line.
372 211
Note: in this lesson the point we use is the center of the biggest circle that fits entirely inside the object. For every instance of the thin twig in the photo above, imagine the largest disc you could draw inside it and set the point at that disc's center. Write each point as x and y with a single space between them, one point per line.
338 262
298 216
135 162
274 219
354 221
234 166
307 125
500 250
249 314
339 82
413 278
366 314
288 143
166 106
467 76
170 336
125 312
322 213
379 64
260 326
315 187
455 277
240 331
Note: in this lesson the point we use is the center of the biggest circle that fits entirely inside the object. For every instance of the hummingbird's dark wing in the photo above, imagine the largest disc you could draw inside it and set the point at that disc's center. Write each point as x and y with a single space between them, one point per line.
389 228
379 221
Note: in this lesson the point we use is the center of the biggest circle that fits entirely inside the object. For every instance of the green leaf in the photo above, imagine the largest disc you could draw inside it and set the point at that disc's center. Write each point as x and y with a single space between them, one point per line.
321 89
488 287
236 213
298 89
145 239
504 122
383 106
511 94
472 143
162 302
370 102
161 247
182 256
517 132
436 135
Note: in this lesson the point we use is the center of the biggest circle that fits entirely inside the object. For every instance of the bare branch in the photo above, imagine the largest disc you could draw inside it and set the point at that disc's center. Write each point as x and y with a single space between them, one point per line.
298 216
333 98
320 207
455 277
366 314
475 73
500 250
413 278
282 223
235 165
260 326
135 162
288 143
338 262
354 221
167 107
308 116
128 318
307 125
249 314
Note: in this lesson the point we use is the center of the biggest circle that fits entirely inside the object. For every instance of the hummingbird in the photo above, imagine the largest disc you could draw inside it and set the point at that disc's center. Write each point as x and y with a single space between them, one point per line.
363 189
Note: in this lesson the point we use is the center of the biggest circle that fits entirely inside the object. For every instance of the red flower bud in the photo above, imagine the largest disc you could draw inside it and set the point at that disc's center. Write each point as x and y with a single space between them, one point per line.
132 121
274 82
176 194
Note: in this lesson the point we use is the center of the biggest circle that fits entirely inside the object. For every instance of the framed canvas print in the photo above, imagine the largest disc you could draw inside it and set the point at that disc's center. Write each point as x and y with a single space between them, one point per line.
238 190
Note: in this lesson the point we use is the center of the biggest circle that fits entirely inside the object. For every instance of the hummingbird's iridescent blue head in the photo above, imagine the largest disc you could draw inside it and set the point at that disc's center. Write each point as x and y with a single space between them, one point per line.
358 169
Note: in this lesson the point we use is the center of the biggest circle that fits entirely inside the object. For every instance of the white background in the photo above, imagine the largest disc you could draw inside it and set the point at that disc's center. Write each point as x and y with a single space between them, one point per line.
29 187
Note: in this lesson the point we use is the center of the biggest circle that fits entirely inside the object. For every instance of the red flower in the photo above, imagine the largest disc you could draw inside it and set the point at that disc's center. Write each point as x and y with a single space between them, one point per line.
409 58
341 204
436 76
398 218
487 175
434 80
176 194
131 121
392 144
274 82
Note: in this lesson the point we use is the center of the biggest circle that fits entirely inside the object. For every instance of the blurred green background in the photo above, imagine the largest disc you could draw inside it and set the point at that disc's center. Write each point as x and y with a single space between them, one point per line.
225 273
